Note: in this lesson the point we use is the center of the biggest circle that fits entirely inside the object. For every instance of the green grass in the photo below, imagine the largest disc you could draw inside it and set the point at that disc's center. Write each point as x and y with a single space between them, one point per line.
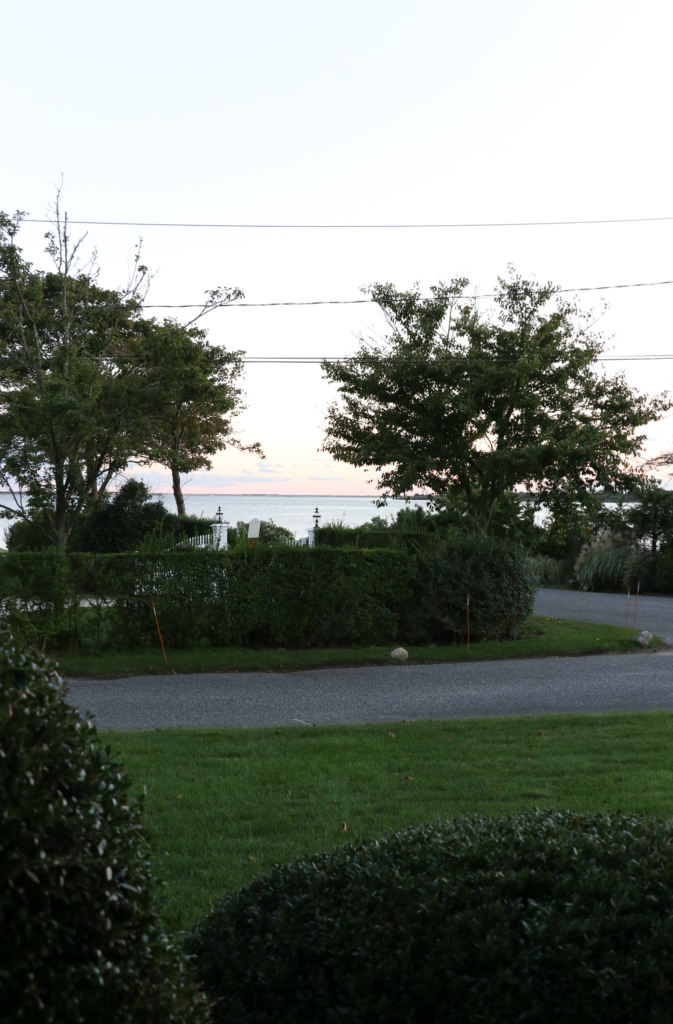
546 637
224 804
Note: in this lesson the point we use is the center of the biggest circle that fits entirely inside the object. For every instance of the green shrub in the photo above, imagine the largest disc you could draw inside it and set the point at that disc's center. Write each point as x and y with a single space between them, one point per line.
547 570
539 917
663 573
28 535
80 941
367 537
272 596
498 576
269 533
601 565
640 567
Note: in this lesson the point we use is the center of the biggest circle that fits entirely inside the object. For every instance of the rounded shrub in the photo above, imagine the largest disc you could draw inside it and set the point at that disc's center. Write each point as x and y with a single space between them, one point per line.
539 917
80 941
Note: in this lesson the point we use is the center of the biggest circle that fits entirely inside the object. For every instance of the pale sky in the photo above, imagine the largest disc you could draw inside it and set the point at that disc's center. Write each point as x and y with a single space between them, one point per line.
368 112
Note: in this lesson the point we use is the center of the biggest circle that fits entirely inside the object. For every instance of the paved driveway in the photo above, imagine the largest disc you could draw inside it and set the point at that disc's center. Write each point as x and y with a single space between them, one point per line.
637 682
654 613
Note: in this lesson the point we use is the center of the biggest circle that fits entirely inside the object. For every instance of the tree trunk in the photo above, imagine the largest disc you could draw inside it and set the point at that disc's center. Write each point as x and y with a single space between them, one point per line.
177 491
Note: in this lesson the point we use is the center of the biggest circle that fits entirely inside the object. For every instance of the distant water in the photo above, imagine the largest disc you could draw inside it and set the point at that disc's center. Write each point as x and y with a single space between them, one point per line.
294 512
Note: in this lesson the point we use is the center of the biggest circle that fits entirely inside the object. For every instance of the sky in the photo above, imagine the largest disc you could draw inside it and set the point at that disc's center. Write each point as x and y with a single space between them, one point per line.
375 112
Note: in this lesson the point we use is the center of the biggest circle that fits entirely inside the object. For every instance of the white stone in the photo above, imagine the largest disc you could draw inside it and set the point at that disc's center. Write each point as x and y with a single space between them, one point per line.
399 654
642 639
253 529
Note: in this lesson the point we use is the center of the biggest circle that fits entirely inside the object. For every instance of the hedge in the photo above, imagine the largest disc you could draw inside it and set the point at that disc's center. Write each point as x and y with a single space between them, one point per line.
277 596
398 540
539 917
80 938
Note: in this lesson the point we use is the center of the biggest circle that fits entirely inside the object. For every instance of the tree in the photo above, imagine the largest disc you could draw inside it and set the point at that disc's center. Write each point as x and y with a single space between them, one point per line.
195 395
473 407
69 404
83 375
652 517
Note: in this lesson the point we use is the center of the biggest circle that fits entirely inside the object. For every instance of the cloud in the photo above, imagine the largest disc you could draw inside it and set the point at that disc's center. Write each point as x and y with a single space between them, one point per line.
323 478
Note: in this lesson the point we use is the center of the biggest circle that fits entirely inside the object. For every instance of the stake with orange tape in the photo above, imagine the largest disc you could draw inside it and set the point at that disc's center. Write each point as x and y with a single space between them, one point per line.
468 623
159 632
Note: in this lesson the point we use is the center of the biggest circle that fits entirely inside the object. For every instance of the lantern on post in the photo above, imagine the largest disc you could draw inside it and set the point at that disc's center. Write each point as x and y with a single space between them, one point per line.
316 519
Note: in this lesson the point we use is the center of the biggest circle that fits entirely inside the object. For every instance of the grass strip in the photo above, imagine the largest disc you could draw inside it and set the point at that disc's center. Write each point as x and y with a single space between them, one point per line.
546 637
224 804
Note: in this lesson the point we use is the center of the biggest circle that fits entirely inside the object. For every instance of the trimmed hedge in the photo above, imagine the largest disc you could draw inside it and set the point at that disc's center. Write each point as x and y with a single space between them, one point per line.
540 917
80 941
277 596
398 540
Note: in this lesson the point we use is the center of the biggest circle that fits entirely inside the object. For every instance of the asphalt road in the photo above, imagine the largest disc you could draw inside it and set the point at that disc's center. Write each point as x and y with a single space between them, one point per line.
654 613
638 682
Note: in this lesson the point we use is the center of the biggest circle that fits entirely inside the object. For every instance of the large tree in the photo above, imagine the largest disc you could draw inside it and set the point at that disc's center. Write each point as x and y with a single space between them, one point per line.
195 395
88 384
476 405
69 399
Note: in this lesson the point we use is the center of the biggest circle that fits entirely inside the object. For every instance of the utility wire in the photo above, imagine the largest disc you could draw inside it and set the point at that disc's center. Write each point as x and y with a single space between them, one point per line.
351 227
411 361
355 302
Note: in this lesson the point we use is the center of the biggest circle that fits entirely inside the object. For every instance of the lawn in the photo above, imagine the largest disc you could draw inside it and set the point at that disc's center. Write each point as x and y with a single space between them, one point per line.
544 637
223 805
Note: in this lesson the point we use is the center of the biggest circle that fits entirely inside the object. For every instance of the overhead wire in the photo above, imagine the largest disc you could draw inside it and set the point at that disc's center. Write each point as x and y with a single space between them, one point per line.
411 361
356 302
351 227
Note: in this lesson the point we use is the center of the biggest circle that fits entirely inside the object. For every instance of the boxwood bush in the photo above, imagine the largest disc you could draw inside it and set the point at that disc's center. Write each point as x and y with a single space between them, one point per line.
541 917
80 941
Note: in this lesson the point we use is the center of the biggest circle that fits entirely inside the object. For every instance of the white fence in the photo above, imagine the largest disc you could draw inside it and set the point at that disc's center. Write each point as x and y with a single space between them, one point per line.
217 540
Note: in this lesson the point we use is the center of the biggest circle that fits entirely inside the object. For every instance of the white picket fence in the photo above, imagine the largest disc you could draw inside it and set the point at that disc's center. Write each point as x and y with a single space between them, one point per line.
217 540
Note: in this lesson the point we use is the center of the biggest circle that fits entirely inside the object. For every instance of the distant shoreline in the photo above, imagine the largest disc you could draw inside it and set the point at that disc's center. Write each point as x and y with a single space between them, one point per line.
274 494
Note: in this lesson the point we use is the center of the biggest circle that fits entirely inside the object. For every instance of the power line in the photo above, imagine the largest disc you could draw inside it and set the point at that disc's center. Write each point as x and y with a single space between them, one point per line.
410 361
355 302
353 227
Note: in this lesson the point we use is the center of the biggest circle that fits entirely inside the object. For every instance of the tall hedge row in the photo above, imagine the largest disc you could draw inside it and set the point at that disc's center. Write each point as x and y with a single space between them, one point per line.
278 596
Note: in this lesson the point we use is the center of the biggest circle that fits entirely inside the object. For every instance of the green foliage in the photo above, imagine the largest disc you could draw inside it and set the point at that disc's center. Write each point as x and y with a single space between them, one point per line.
269 533
664 571
367 537
122 523
272 595
29 535
473 406
195 395
72 399
80 940
128 521
541 916
642 567
547 570
498 576
88 383
602 564
131 518
652 518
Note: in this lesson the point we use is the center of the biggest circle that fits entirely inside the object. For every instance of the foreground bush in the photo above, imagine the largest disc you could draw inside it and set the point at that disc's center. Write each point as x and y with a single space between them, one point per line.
269 596
540 917
80 942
